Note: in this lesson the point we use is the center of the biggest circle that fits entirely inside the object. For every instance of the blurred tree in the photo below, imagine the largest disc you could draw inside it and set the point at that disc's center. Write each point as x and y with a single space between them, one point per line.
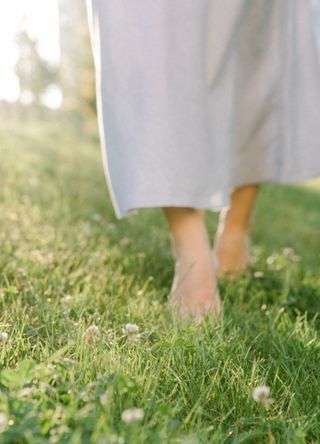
77 69
35 74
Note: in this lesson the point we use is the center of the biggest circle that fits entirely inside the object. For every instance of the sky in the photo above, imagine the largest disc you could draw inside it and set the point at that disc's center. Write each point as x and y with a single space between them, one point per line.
41 18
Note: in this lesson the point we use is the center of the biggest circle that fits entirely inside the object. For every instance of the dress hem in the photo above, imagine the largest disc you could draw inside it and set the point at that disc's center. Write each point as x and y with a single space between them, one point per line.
157 202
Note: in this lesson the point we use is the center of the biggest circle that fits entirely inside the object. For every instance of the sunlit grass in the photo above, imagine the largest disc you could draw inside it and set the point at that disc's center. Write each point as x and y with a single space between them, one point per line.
88 349
315 184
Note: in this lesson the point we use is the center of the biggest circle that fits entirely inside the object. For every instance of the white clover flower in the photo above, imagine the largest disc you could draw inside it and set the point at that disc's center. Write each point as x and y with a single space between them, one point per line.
92 334
3 422
258 274
132 332
105 398
4 336
132 329
261 395
288 251
290 254
26 391
270 260
110 335
22 271
67 299
93 329
130 416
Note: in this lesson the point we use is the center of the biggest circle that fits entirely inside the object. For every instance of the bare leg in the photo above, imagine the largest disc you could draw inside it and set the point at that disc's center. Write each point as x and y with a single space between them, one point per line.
194 289
232 245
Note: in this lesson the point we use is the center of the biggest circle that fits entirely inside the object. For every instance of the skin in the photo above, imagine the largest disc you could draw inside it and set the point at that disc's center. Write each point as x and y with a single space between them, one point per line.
232 243
194 292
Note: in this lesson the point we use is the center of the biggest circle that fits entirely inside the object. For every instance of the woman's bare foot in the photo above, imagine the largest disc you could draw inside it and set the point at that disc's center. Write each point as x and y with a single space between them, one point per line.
231 251
232 244
194 291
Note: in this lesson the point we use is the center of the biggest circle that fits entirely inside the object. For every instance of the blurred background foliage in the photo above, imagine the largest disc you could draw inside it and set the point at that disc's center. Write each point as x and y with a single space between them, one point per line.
76 68
72 78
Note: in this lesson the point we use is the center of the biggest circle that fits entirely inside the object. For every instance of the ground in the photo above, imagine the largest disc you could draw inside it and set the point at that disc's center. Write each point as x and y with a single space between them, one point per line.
67 265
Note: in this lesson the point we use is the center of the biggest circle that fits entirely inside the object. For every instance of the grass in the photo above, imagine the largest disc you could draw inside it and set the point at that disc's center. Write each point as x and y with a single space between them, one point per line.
66 264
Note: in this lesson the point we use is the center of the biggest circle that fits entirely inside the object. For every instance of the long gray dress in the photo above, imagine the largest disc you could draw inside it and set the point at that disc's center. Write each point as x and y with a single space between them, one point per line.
196 97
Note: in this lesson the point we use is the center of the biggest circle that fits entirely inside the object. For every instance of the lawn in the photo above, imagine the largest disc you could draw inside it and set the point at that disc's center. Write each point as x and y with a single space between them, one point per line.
72 277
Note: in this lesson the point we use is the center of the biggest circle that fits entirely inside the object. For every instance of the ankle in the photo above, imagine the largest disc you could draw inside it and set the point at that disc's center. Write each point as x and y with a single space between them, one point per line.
190 248
232 223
